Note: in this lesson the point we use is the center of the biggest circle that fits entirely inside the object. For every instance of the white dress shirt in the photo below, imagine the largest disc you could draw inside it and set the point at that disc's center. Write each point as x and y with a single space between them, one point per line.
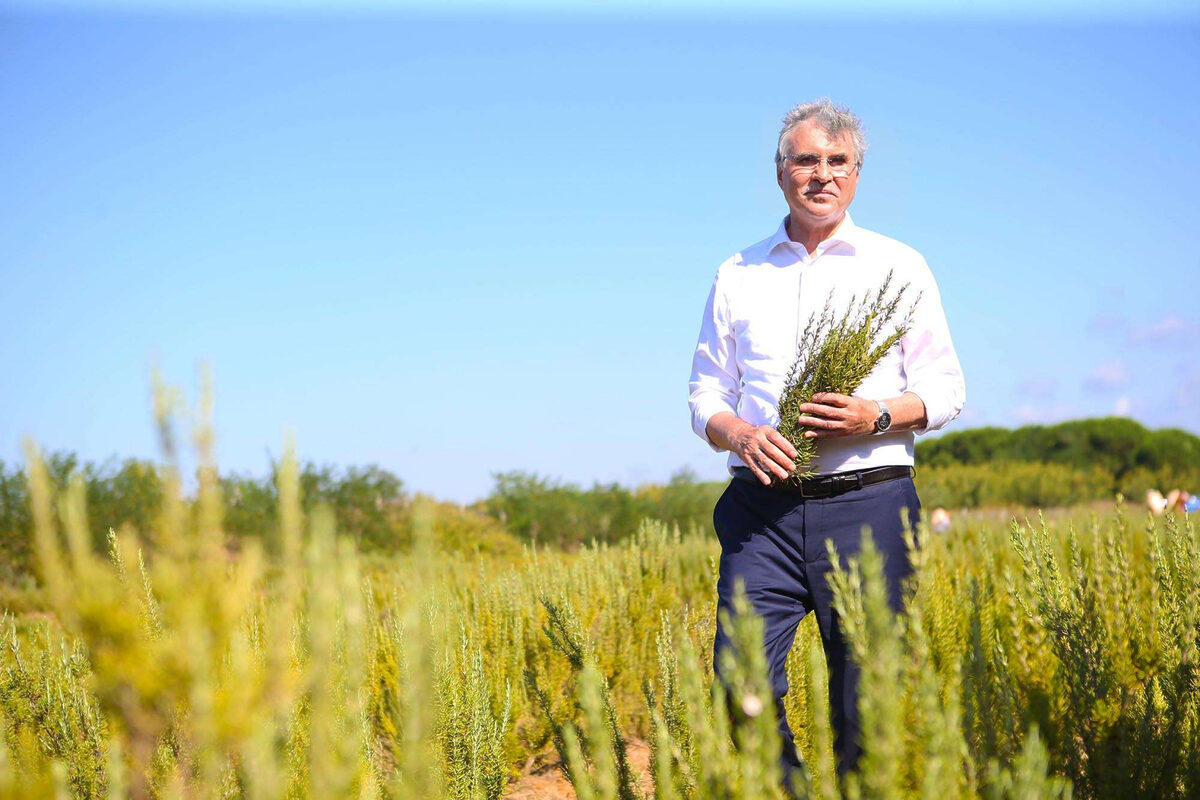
759 304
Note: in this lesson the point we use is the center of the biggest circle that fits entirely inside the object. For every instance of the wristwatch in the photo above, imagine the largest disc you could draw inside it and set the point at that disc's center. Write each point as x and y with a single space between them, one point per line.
884 421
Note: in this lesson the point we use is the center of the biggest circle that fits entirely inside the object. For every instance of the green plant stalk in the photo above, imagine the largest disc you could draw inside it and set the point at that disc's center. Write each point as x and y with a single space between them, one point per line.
835 354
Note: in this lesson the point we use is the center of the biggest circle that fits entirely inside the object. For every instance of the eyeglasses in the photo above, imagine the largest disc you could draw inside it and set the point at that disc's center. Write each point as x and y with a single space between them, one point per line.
840 165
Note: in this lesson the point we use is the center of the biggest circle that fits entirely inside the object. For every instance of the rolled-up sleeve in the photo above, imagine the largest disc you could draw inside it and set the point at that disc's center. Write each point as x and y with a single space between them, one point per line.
715 381
931 366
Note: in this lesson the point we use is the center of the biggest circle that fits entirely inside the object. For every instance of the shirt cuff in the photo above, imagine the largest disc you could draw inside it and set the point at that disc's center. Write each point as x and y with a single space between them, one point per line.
702 412
941 407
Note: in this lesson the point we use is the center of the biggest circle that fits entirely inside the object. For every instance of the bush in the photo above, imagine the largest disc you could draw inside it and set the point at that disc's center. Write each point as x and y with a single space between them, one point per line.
117 493
558 514
1012 483
1117 445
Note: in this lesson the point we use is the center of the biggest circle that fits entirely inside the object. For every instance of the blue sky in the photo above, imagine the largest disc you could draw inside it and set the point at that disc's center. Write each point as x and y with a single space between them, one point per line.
465 241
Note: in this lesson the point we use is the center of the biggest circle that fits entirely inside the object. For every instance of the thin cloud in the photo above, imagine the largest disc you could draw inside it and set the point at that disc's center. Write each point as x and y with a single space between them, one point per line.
1107 322
969 417
1042 414
1107 377
1187 393
1038 388
1167 330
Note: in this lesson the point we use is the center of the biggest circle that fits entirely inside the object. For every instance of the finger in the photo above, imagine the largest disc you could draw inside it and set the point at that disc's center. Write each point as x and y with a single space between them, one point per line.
779 440
778 458
766 462
832 412
762 476
832 399
818 422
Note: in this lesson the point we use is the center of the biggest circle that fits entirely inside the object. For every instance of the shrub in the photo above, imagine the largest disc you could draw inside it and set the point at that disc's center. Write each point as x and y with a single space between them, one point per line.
1012 483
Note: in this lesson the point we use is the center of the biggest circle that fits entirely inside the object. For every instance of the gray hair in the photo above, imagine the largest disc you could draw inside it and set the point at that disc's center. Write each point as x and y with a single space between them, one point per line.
834 120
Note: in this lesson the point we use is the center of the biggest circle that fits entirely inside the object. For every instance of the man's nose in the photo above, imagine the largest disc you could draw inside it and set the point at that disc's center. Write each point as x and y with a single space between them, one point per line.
823 172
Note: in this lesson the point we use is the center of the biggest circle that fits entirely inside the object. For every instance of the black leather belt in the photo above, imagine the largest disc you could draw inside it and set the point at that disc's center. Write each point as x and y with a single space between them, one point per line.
823 486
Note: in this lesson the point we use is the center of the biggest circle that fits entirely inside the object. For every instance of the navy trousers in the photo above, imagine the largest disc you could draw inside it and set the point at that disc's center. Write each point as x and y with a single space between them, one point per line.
775 542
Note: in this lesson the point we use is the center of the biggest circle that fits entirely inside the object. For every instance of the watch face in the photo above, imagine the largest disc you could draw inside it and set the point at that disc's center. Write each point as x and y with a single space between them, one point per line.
884 422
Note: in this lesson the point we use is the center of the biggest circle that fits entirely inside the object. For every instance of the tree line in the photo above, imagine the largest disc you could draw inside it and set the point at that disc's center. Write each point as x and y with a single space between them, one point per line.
369 503
1034 465
1117 445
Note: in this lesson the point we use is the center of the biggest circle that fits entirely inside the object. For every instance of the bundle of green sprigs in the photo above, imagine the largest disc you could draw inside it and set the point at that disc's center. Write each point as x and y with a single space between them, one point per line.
835 354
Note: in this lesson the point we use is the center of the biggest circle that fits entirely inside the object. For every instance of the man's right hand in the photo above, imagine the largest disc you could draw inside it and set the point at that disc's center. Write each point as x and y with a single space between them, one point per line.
760 447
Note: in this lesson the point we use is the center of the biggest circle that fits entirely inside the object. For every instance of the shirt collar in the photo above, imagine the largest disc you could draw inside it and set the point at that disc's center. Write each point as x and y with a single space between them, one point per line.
845 233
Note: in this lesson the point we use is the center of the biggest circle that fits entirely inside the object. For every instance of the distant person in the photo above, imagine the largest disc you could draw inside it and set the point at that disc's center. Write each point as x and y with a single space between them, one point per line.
1177 501
771 538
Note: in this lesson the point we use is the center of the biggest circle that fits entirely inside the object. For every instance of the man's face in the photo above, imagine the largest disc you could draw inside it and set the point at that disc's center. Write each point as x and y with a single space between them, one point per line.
816 198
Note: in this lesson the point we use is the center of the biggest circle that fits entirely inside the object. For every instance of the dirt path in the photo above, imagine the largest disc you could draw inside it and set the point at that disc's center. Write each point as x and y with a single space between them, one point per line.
547 782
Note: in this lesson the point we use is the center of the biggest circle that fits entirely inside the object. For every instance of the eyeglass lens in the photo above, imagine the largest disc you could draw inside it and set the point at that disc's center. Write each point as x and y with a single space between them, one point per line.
839 165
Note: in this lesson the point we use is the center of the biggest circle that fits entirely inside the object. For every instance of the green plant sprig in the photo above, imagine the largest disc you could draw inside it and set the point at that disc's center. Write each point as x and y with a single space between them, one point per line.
834 354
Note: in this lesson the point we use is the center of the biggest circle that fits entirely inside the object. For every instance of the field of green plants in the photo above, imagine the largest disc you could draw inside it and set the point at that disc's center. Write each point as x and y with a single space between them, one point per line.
1038 657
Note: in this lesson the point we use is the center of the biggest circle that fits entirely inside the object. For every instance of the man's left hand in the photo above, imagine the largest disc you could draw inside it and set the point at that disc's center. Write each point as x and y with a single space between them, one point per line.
831 414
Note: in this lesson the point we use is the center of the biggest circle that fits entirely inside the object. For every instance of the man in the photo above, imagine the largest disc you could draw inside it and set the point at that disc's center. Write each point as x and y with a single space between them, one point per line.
774 538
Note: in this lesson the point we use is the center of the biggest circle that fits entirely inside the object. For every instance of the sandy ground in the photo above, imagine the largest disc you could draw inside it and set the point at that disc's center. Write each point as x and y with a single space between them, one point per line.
548 783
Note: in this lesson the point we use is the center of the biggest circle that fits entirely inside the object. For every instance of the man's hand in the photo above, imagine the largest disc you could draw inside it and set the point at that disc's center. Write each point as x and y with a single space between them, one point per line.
831 414
765 451
760 447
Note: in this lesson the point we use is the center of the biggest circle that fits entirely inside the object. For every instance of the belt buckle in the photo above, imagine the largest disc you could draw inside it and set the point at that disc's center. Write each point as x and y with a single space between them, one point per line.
819 488
848 482
838 485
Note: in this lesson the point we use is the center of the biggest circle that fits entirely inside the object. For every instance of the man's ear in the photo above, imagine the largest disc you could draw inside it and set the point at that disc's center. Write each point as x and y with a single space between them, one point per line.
779 175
